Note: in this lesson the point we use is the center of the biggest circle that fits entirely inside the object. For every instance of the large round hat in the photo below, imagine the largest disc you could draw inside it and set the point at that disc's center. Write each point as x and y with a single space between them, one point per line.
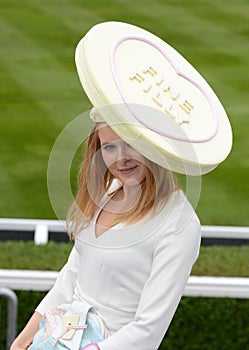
153 98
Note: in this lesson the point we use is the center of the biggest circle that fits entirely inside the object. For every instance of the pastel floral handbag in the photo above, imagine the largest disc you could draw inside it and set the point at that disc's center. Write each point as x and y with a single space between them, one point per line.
60 330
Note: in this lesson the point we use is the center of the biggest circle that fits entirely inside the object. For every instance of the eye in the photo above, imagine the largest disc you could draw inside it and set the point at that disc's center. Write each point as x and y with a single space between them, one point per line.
129 146
108 147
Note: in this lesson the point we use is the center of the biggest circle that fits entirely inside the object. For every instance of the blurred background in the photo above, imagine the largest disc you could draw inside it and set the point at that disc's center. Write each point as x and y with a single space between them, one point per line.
40 94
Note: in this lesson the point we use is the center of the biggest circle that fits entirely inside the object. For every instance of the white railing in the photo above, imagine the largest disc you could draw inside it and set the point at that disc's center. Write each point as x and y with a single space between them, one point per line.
42 228
34 280
217 287
225 232
231 287
12 302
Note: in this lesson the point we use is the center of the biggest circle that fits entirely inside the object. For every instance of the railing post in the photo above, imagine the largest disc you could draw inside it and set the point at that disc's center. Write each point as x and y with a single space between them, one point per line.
41 234
12 314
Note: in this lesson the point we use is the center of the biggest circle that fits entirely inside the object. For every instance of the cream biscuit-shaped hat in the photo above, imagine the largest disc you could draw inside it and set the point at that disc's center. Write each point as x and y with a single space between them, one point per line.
153 98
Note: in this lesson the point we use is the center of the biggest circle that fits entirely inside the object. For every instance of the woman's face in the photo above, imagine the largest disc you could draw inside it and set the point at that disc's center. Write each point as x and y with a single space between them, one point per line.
120 158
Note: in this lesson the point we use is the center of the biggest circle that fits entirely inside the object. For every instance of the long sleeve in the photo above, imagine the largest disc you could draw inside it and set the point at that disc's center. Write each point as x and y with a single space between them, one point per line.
62 291
172 263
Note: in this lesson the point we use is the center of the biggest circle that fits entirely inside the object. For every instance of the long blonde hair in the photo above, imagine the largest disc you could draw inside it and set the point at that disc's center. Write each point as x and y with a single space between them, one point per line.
95 180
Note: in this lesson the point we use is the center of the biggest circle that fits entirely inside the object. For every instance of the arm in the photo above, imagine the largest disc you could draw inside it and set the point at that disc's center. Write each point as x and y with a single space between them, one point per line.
61 293
172 263
25 338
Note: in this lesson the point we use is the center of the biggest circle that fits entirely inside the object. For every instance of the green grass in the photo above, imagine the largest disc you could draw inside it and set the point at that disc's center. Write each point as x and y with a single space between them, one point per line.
213 261
26 256
40 92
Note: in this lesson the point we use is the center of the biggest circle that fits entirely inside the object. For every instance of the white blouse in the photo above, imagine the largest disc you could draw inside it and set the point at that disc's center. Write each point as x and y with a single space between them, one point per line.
132 276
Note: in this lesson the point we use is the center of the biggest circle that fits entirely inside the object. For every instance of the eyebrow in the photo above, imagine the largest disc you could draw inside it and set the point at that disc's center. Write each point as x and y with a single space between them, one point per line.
107 142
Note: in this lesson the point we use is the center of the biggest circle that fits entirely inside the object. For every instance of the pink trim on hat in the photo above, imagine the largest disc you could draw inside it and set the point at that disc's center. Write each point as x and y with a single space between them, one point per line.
178 72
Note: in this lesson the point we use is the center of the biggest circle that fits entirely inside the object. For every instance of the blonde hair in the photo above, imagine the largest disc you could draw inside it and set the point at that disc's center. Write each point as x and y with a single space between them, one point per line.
95 180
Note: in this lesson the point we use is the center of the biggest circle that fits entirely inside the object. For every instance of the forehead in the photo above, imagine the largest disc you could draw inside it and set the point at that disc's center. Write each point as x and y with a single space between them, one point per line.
106 134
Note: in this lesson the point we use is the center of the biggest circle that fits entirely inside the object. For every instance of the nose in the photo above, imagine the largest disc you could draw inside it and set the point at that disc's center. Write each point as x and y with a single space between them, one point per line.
124 152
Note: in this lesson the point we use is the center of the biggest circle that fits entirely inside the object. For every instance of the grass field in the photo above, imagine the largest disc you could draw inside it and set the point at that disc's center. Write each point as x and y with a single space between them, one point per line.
212 261
40 92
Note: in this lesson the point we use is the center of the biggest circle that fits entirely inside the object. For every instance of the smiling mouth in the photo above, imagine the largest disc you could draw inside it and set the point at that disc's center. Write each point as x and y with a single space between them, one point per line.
128 171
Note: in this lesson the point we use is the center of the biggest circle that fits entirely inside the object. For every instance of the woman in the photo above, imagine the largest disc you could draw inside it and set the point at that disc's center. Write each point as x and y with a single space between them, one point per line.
136 236
136 239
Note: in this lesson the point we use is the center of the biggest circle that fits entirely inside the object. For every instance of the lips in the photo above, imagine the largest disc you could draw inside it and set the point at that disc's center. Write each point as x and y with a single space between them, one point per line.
127 171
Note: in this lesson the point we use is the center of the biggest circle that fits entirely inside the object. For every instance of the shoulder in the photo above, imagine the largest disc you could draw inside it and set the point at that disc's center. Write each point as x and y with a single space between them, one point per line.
178 213
181 228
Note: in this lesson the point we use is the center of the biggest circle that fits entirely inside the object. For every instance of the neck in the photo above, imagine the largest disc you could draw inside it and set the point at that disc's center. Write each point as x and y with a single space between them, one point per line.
125 198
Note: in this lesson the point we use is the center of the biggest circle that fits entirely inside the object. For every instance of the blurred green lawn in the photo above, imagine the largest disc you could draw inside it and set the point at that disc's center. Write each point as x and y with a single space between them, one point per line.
40 92
212 261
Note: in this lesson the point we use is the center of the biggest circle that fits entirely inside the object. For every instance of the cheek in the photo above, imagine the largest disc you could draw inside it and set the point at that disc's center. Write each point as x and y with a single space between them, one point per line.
108 159
137 156
143 171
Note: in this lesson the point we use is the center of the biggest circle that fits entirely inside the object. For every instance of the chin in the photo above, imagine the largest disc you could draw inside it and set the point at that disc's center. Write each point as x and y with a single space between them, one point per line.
132 181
